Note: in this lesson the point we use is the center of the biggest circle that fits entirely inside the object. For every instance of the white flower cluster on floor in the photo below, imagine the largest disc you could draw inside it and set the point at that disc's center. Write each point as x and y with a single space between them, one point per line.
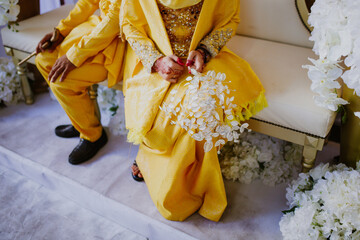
258 156
10 88
336 35
198 113
111 104
325 204
9 9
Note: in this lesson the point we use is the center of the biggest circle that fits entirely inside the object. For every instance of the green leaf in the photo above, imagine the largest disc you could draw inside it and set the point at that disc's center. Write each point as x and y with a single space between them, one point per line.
290 210
343 112
113 109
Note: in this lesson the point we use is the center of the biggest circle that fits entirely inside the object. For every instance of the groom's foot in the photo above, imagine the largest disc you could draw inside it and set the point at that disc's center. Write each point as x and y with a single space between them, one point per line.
66 131
85 150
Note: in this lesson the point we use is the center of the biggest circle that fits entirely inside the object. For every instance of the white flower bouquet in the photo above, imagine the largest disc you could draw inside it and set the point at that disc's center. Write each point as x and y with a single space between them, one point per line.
9 9
336 37
258 156
206 95
324 204
10 87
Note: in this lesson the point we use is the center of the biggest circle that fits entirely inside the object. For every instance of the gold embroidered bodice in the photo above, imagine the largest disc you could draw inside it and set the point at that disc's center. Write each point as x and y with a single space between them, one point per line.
180 26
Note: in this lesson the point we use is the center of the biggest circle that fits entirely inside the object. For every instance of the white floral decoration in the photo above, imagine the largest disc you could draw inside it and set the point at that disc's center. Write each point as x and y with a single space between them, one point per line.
9 10
111 104
205 96
336 37
10 87
258 156
325 204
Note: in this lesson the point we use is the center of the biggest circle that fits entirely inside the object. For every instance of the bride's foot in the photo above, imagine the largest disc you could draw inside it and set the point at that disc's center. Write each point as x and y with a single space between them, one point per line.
135 173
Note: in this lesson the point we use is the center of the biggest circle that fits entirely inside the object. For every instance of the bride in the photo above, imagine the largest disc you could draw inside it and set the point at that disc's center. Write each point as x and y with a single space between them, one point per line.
168 38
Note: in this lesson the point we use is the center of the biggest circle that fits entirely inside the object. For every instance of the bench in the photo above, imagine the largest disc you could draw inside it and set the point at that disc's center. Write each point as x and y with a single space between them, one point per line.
272 38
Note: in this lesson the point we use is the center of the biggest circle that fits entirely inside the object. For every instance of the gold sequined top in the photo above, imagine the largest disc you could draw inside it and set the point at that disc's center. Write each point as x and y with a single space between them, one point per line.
180 26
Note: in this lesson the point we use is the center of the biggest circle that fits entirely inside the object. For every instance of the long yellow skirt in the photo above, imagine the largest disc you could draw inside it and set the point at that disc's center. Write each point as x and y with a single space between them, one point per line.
181 178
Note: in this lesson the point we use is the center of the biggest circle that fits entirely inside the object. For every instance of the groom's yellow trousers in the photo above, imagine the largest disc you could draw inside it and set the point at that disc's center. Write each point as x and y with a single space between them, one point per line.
72 93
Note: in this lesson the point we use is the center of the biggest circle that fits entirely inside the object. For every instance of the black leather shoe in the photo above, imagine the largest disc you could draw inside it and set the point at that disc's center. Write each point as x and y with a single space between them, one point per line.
66 131
86 149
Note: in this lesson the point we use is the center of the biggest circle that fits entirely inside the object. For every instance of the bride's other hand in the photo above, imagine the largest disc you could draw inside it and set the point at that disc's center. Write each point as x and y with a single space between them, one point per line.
196 61
170 68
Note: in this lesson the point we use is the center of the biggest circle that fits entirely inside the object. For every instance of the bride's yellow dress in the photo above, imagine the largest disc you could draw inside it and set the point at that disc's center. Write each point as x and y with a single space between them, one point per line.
180 176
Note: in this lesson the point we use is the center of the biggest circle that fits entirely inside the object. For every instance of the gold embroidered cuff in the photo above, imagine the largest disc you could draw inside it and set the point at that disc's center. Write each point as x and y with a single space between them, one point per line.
216 40
147 53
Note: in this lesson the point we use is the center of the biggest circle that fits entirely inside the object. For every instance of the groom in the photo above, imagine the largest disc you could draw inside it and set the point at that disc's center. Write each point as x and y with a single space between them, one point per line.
87 51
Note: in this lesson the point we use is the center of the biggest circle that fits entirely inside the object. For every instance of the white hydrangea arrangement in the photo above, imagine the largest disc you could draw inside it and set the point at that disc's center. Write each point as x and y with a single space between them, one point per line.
258 156
336 37
9 10
324 204
10 87
197 113
111 104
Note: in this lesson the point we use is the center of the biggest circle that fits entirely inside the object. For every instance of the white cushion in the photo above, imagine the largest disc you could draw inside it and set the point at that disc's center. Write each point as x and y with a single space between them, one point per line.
32 30
275 20
279 67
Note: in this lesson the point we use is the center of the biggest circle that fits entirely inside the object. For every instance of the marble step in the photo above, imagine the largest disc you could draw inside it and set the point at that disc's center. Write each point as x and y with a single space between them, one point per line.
29 210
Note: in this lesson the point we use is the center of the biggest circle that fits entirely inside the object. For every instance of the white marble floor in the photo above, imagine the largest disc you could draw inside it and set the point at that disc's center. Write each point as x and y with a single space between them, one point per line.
31 211
104 185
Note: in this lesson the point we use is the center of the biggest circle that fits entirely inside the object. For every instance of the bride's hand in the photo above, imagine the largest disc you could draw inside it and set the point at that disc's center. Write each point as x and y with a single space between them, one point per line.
196 61
170 68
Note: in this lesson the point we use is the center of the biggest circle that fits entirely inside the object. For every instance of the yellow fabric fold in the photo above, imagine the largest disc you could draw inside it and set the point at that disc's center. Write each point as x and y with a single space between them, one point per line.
79 14
99 40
